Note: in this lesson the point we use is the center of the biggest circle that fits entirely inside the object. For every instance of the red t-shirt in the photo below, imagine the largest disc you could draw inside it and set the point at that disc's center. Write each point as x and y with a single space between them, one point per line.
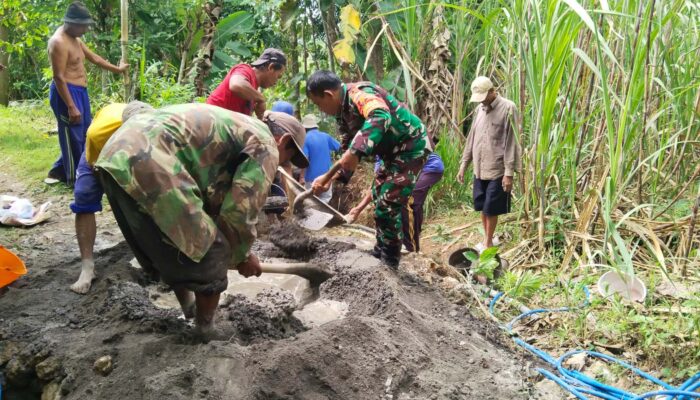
222 96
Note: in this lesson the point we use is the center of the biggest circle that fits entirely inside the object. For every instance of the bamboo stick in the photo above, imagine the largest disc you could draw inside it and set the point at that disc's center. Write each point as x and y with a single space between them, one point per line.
125 44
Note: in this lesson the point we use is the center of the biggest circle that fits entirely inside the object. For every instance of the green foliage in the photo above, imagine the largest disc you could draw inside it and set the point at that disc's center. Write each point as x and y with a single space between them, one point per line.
448 193
520 286
28 23
483 264
160 87
442 235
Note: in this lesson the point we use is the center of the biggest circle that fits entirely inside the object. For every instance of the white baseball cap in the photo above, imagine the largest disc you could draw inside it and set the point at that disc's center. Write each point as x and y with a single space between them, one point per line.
480 88
309 121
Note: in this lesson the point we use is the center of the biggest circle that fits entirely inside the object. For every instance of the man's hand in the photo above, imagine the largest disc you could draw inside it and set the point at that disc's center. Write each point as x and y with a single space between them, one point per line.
74 115
507 183
321 185
260 108
2 67
123 67
250 267
460 174
352 215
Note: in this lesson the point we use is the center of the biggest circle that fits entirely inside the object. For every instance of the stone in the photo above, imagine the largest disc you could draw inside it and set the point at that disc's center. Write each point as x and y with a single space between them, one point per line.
9 350
103 365
52 391
48 369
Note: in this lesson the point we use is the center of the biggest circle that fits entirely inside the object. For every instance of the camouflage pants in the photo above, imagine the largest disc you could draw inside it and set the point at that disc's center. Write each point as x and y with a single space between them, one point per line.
392 188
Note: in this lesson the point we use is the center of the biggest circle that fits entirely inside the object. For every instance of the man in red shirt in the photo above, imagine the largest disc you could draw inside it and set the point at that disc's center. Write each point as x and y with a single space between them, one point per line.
239 90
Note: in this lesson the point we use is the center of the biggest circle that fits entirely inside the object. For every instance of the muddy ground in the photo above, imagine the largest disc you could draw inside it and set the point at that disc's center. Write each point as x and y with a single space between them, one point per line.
401 337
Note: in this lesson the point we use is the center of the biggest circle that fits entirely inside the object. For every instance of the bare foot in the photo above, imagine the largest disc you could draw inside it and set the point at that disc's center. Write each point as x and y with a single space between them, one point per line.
208 332
87 274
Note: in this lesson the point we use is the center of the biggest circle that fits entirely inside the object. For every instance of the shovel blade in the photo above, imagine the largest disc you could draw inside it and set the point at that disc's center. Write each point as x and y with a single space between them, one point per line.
314 220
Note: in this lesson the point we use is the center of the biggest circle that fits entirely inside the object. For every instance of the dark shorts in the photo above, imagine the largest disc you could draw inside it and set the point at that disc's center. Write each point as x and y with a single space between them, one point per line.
490 198
158 256
87 191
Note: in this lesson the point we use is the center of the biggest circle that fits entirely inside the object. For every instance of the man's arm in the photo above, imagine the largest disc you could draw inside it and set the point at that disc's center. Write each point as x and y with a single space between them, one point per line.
511 153
467 153
59 62
343 167
101 62
239 86
357 210
241 207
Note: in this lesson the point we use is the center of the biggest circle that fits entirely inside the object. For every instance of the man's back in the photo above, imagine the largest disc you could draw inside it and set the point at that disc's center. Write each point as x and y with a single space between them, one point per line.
184 157
318 147
68 49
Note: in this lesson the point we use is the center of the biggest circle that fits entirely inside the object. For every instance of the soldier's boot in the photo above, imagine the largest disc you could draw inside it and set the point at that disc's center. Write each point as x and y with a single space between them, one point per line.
391 255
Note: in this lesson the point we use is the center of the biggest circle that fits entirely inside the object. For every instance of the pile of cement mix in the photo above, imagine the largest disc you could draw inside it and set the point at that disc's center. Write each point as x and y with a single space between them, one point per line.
293 240
396 341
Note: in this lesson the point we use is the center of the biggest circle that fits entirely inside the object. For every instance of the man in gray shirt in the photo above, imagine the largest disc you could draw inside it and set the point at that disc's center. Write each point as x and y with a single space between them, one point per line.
493 148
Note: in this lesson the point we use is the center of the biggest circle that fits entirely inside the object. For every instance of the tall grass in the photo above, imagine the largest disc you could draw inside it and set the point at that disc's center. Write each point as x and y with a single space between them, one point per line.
607 94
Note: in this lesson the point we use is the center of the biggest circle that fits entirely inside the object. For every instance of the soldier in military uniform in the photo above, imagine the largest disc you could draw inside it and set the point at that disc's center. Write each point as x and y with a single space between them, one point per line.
186 184
374 123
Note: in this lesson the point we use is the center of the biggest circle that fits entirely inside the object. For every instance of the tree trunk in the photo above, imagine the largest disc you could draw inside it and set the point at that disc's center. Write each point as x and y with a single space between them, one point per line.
376 58
294 60
5 74
203 60
330 27
438 77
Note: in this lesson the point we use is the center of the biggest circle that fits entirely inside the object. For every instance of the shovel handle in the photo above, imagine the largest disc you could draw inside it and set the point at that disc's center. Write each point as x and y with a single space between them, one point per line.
282 268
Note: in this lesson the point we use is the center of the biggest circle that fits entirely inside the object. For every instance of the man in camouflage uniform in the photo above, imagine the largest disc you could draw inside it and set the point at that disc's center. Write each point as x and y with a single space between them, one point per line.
186 184
373 123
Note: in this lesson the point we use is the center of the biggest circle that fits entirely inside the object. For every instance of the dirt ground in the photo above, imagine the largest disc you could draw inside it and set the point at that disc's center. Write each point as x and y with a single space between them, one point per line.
401 337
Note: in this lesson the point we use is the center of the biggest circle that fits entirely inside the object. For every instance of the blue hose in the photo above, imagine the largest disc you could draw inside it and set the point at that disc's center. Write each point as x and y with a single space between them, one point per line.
673 393
578 383
561 383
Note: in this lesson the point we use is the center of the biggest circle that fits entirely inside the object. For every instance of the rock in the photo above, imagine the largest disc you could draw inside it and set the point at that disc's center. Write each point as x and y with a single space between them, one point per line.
548 390
576 362
48 369
9 350
103 365
52 391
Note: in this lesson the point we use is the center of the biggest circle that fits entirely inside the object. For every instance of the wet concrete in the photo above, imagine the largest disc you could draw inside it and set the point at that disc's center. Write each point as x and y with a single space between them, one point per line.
374 337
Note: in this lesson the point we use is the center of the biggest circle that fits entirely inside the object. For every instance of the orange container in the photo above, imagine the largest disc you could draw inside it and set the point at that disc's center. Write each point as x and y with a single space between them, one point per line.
11 267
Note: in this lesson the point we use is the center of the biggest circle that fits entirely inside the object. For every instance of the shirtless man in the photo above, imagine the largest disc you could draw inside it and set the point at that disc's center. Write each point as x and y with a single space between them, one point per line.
68 94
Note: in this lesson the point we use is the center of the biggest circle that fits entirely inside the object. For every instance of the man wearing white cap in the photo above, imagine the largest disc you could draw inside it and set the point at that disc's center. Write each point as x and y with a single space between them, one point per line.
493 148
318 147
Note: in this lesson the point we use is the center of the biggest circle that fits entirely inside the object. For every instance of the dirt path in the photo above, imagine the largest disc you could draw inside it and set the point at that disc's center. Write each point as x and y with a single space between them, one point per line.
401 339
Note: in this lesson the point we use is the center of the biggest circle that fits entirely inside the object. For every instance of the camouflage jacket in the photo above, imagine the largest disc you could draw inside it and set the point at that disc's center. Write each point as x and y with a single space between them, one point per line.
192 166
375 123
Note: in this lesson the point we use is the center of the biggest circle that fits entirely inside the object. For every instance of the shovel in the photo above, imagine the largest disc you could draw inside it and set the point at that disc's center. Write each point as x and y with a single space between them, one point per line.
313 217
315 274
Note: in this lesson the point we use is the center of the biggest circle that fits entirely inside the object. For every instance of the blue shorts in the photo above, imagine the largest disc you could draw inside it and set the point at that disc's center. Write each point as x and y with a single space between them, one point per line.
87 191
